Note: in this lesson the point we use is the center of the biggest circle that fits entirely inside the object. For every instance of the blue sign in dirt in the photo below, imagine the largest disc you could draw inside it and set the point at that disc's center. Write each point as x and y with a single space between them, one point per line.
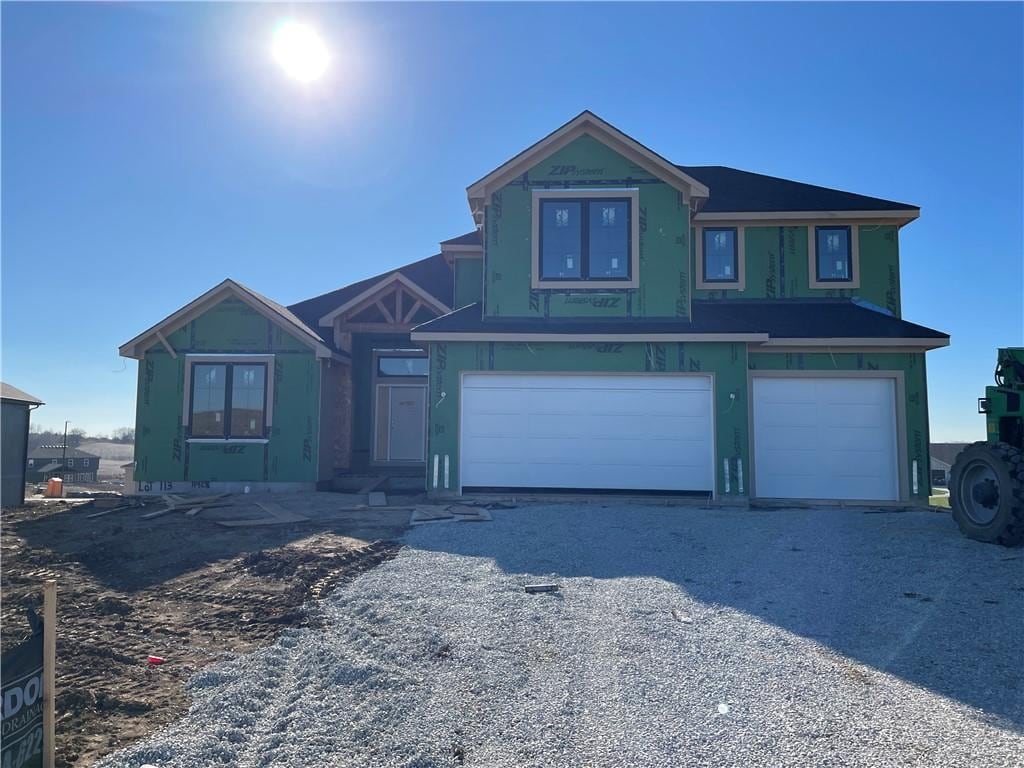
21 683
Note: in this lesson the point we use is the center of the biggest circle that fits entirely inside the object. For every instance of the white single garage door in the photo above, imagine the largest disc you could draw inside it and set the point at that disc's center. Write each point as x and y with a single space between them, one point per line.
587 431
825 438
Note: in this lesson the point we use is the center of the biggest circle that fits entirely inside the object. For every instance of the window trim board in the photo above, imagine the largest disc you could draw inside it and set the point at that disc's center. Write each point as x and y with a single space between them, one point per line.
631 194
740 283
268 392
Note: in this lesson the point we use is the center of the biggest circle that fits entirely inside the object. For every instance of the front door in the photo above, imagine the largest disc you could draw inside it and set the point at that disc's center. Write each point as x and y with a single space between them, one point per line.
407 428
400 431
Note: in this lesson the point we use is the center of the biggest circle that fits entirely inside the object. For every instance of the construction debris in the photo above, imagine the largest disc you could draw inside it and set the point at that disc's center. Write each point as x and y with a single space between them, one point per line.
535 588
456 513
277 515
372 484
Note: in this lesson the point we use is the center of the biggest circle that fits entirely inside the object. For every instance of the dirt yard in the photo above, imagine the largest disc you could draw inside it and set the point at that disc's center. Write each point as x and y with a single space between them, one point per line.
182 588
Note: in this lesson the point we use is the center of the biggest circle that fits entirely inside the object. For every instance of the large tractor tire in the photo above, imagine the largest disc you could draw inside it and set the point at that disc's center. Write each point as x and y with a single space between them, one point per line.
986 493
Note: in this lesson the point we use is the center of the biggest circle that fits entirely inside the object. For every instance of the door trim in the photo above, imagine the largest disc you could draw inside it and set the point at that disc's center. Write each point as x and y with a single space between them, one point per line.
677 374
899 394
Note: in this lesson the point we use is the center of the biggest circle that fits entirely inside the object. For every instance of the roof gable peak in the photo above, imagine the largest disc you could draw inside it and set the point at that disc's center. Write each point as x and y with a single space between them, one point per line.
585 123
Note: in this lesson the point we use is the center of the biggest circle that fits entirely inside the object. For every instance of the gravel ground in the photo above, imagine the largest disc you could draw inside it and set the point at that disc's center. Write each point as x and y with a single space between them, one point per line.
680 636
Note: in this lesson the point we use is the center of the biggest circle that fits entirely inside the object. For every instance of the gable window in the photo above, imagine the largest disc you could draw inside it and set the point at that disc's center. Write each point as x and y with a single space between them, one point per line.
585 237
834 262
71 462
228 400
721 260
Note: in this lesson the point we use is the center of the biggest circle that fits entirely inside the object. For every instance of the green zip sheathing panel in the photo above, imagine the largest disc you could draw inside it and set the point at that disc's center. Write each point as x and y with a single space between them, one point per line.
915 405
726 362
777 268
363 345
469 276
163 454
586 163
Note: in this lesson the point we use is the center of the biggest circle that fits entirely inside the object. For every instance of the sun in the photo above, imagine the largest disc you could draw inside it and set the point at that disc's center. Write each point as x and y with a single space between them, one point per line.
300 51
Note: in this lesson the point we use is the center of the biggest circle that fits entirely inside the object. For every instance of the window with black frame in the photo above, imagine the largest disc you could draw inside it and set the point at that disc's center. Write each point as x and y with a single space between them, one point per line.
585 239
834 259
228 400
721 261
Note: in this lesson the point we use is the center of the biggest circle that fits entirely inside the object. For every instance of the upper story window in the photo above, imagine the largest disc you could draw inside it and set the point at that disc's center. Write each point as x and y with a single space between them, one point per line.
228 400
721 261
834 262
585 238
720 258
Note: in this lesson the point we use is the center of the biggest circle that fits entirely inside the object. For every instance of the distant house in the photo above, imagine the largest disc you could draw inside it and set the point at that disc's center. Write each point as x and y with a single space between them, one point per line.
943 455
17 406
74 465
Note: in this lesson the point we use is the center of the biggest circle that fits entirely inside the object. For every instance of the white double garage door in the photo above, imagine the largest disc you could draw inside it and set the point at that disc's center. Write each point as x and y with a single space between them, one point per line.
814 438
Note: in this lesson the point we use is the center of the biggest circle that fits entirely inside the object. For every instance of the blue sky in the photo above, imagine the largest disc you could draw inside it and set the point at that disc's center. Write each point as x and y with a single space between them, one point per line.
150 150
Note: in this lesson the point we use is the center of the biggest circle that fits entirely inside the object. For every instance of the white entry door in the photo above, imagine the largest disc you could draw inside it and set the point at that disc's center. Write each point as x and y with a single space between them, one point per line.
636 432
825 438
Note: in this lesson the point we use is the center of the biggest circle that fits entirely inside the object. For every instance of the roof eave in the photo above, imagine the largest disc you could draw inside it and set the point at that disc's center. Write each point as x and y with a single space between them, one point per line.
862 341
898 217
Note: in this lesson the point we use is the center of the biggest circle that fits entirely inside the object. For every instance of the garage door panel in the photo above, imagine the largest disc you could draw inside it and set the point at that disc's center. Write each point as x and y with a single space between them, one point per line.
789 414
859 415
789 437
834 438
587 431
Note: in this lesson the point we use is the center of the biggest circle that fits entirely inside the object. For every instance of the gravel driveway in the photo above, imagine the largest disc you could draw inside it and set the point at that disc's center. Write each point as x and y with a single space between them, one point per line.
680 636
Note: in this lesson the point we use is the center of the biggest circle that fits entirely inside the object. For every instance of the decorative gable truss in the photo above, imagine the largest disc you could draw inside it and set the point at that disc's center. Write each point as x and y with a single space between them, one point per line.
393 305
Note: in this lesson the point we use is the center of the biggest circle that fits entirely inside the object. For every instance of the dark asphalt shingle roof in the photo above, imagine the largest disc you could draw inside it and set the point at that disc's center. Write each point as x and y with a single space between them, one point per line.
432 274
470 238
733 190
779 318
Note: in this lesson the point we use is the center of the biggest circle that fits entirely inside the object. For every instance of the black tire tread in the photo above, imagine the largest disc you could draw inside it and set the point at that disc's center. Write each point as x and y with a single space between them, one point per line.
1012 458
